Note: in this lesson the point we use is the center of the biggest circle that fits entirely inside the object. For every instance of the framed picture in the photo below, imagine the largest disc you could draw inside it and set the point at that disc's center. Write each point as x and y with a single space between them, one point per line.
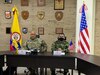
7 14
59 30
41 30
8 1
59 4
41 2
24 2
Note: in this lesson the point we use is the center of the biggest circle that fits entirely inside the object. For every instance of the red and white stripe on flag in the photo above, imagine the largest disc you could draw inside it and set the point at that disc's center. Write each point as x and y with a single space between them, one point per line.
83 42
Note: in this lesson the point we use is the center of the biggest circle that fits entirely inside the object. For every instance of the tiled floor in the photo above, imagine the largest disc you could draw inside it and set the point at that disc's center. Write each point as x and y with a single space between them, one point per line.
20 71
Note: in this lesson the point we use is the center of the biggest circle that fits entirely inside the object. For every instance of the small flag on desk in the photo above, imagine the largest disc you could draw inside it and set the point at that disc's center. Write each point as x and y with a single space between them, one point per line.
71 46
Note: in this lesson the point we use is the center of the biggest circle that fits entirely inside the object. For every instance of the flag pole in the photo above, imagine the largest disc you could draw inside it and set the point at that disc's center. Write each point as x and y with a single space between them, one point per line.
80 10
16 51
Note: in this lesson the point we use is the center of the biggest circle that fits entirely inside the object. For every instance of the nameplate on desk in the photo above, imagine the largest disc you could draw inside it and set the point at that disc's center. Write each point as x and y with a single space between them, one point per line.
23 52
58 53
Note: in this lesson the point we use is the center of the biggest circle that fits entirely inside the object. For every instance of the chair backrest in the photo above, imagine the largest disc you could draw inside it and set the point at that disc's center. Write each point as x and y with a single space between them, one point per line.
38 36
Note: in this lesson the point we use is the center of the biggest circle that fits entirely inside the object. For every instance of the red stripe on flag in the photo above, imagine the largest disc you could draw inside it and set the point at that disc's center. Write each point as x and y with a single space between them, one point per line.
84 39
81 45
11 48
86 30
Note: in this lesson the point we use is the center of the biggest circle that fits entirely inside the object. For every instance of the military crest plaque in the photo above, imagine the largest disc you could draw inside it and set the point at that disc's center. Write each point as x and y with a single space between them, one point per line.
40 14
58 15
7 14
24 30
25 14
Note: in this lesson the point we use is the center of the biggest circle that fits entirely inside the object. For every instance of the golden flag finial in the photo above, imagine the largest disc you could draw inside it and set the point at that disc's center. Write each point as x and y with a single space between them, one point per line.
14 9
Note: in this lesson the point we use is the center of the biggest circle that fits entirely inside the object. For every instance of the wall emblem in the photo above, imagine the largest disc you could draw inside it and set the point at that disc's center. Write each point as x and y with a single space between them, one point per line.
25 14
40 14
16 36
24 30
58 15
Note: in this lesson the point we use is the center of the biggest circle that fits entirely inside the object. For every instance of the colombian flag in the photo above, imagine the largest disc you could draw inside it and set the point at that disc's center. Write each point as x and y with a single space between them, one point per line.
15 36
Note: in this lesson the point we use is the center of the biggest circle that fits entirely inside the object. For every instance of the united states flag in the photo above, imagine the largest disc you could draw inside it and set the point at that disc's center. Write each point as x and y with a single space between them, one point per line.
71 46
83 42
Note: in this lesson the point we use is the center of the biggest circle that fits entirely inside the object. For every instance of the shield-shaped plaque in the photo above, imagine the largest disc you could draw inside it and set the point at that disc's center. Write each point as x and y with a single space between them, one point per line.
24 2
25 14
58 15
40 14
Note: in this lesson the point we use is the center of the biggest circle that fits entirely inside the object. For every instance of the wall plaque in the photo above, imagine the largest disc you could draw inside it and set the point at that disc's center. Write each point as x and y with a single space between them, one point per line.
24 2
40 2
7 14
58 15
40 14
25 14
41 30
24 30
59 4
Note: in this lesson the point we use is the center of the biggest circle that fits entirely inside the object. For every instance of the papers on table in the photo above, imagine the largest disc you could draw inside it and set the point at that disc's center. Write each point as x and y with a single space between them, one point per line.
58 53
23 52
